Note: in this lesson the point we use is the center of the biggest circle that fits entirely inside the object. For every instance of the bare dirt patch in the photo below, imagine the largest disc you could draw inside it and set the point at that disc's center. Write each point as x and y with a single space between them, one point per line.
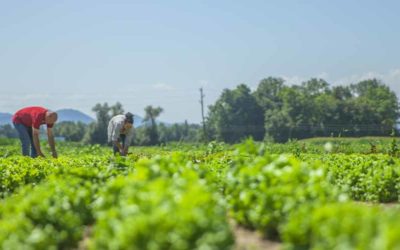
251 240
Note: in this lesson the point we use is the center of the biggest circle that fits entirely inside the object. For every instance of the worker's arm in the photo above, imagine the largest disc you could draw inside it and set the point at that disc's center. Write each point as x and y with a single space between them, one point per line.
50 137
36 142
119 146
128 140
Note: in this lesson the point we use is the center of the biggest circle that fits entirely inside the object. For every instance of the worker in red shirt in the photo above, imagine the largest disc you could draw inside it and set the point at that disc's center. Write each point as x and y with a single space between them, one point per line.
27 122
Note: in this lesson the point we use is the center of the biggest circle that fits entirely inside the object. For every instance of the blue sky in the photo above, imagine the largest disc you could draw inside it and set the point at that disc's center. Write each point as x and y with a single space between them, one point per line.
73 54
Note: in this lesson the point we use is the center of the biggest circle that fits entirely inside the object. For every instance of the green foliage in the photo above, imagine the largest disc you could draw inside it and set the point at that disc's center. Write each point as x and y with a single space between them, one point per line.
363 177
71 131
311 109
97 131
52 202
343 226
49 216
394 148
151 135
181 196
180 132
263 189
214 147
236 116
162 205
7 131
268 93
18 171
342 145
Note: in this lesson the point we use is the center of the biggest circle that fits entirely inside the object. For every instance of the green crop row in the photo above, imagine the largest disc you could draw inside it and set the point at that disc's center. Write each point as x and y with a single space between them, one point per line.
373 178
49 216
167 198
263 189
343 226
294 202
18 171
162 203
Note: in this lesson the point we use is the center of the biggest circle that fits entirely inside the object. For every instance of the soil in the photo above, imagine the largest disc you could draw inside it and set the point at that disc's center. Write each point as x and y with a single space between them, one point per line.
251 240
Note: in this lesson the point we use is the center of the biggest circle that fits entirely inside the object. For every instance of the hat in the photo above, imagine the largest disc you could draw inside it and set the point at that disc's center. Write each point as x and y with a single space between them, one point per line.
129 117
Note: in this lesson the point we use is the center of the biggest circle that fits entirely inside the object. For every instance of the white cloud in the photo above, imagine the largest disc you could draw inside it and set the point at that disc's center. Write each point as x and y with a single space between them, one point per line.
162 86
390 78
357 78
294 80
322 75
297 80
393 79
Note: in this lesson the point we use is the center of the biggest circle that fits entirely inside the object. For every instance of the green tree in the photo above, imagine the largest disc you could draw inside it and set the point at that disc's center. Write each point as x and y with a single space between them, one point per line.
268 93
288 121
315 109
341 122
278 125
8 131
71 131
180 132
151 132
97 131
117 109
375 108
236 115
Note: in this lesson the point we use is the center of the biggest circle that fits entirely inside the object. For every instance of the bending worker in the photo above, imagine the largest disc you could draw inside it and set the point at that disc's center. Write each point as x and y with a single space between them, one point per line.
120 133
27 122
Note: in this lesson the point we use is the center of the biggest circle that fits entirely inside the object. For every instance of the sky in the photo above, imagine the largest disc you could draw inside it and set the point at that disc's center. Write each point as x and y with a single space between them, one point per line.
74 54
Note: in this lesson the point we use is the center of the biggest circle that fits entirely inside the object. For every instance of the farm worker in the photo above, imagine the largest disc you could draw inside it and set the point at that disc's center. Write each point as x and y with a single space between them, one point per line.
120 133
27 122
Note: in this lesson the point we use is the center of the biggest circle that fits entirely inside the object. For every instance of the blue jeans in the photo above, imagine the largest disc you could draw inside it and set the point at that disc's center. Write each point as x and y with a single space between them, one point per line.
121 139
25 136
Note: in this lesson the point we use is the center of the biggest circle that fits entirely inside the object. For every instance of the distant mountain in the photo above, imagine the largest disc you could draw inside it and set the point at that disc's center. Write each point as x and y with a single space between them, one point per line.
76 115
73 115
5 118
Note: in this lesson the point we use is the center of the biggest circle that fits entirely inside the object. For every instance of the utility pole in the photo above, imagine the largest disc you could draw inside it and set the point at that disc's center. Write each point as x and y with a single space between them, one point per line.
202 114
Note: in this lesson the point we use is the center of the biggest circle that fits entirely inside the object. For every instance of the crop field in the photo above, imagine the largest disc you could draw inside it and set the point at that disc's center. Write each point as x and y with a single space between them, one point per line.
312 194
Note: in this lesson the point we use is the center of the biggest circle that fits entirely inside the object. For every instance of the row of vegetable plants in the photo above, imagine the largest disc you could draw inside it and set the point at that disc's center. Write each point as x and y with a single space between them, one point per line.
292 201
182 199
129 203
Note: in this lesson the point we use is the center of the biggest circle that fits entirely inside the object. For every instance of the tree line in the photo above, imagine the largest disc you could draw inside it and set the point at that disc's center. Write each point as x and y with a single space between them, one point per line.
280 112
273 111
149 133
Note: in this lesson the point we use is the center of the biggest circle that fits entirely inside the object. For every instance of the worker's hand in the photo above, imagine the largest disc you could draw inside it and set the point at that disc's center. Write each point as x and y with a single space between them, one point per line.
122 152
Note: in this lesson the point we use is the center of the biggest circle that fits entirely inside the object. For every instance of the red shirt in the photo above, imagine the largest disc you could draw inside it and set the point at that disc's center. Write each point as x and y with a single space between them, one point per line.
31 117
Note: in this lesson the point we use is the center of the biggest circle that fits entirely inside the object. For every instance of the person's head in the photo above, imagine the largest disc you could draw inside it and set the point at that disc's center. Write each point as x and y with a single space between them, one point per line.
51 117
128 120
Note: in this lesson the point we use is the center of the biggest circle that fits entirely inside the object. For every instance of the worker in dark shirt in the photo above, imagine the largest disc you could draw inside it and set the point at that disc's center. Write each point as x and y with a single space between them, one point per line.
27 122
